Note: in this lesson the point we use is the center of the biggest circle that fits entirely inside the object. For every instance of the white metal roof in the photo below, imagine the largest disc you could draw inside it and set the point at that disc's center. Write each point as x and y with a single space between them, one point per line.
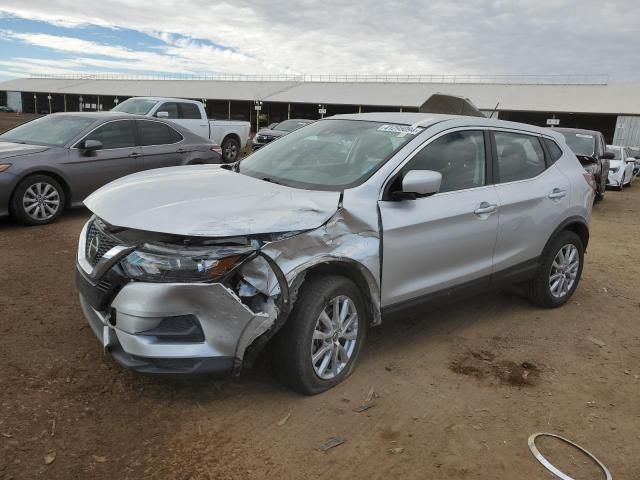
614 99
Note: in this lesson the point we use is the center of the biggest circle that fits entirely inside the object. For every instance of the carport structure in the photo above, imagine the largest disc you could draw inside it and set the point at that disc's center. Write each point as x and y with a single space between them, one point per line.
576 100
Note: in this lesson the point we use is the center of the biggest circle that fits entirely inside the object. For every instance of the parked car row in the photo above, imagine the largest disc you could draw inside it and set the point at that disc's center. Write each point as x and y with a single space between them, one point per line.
611 166
309 241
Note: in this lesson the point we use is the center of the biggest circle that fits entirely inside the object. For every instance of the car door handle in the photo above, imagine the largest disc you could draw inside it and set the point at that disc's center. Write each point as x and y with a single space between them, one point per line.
134 154
181 150
485 208
557 193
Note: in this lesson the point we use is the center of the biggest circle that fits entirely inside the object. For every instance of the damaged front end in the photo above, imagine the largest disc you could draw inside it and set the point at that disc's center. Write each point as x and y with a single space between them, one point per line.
170 304
165 303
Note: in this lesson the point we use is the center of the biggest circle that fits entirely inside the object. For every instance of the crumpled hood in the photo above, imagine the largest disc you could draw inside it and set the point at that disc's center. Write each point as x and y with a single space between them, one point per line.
10 149
209 201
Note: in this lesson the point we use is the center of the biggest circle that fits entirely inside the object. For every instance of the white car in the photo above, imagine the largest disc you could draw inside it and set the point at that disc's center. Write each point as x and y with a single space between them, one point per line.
621 167
231 135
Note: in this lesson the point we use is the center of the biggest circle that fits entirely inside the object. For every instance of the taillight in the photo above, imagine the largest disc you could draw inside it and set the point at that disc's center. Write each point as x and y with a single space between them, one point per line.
217 149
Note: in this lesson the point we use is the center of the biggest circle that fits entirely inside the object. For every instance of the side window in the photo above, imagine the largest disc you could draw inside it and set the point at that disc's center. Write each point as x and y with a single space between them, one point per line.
171 108
554 150
190 111
458 156
118 134
156 133
519 156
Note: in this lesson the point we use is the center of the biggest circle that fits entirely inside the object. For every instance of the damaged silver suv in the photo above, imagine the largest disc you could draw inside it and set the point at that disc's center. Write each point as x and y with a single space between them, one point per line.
323 234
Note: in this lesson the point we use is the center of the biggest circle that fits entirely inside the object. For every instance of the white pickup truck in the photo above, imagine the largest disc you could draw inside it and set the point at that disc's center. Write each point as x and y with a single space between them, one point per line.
231 135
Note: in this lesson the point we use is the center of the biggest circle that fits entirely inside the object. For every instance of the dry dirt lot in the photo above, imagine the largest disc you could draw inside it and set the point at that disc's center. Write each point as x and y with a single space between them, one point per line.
10 120
457 391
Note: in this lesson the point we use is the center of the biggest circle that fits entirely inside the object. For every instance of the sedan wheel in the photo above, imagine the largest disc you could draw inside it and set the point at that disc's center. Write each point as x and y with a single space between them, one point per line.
37 200
334 337
41 201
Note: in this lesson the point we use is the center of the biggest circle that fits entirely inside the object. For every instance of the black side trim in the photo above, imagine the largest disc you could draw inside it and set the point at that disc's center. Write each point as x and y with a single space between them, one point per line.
467 289
513 275
516 274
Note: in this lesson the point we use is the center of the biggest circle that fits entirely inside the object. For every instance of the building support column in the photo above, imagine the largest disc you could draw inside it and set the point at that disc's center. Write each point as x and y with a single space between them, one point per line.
35 102
64 97
229 111
359 108
288 111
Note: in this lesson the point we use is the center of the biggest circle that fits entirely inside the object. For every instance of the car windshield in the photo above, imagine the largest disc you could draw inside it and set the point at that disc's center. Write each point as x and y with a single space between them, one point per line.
290 125
329 154
52 130
580 143
136 106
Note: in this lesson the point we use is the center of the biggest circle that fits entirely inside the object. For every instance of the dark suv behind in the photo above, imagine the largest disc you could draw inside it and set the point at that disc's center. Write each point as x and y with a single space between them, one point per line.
591 149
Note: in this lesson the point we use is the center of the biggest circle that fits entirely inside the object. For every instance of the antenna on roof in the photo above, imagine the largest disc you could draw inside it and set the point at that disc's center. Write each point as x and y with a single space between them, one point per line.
494 110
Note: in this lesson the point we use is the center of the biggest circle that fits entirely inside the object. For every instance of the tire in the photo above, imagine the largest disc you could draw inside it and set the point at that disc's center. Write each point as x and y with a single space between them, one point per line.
37 200
230 150
539 289
295 344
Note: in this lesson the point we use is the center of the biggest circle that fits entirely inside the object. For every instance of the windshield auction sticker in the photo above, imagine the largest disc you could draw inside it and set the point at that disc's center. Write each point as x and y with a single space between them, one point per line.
400 130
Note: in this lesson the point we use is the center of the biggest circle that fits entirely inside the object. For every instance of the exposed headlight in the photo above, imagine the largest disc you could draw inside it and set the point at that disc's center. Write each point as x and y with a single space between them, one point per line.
164 265
614 169
591 169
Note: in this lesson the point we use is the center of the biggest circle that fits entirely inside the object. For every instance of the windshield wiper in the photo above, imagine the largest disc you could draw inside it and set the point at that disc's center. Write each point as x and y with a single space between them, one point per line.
270 180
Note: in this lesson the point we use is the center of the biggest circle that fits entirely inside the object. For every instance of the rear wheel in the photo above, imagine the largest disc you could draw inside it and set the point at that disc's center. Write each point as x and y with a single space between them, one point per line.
230 150
37 200
320 343
559 271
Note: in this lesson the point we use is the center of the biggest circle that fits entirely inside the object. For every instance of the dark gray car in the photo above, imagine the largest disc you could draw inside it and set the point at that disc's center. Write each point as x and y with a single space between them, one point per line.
277 130
56 161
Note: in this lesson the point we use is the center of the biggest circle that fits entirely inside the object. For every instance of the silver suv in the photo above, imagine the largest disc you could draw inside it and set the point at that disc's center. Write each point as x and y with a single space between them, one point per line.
321 235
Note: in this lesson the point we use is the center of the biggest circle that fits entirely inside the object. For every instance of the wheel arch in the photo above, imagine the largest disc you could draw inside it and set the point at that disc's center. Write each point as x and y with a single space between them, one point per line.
233 135
350 269
56 176
577 225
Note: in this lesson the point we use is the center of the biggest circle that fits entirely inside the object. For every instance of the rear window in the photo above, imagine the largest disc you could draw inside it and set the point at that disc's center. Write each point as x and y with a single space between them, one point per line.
157 133
190 111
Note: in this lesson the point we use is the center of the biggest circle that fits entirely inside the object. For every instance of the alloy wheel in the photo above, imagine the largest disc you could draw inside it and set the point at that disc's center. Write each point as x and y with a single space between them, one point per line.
334 337
564 271
41 201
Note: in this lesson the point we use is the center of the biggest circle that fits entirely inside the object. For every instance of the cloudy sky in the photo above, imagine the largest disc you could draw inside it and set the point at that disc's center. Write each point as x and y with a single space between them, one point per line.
195 37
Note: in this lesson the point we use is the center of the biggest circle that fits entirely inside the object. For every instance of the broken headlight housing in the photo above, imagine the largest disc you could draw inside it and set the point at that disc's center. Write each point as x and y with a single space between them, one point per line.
169 264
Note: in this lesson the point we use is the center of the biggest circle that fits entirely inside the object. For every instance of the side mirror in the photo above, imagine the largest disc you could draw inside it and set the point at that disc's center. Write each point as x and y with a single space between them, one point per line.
608 155
420 183
89 146
162 114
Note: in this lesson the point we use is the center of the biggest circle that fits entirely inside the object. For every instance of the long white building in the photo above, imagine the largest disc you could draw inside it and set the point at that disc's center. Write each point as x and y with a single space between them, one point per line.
584 102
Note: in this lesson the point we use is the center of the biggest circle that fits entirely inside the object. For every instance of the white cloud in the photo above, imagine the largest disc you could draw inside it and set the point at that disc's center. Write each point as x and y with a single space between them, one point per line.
331 37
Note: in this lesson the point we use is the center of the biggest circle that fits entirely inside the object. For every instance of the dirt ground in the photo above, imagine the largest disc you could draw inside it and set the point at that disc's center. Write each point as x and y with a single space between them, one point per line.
456 391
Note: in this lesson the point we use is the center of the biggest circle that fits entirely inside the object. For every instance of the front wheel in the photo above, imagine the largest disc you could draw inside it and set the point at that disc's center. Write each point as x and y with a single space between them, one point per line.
37 200
318 346
230 150
559 271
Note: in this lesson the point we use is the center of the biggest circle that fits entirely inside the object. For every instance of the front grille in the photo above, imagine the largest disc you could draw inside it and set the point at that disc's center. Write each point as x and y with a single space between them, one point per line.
98 242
